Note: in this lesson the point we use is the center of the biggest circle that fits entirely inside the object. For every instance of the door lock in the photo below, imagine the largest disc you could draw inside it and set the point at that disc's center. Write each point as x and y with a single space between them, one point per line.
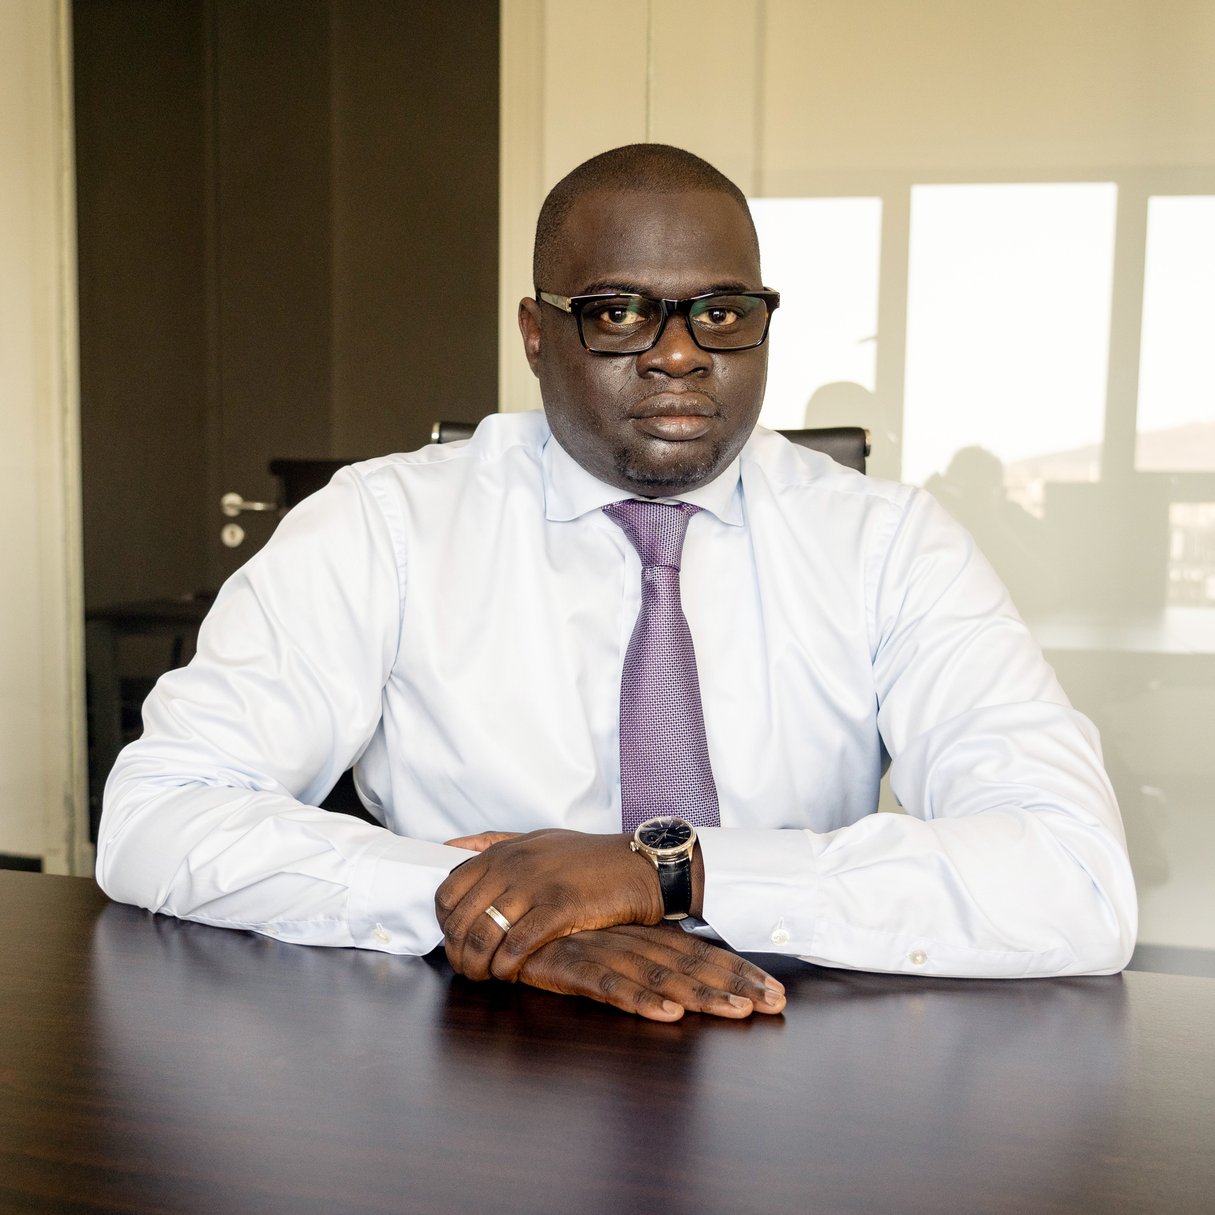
232 535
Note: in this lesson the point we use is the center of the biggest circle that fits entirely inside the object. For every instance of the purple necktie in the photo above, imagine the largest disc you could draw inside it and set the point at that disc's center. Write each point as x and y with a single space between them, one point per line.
664 759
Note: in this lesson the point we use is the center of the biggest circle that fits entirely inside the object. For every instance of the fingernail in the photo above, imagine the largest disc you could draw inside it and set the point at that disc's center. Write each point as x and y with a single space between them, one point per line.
775 999
775 985
739 1001
670 1006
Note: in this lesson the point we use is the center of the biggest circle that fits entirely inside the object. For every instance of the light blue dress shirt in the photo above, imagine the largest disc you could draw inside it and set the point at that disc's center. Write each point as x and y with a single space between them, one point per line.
453 622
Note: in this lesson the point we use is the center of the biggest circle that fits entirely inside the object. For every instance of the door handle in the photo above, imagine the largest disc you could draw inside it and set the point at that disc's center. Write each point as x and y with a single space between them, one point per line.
233 504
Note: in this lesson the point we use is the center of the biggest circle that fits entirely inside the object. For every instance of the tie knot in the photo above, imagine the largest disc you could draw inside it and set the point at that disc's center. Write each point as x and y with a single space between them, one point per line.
655 529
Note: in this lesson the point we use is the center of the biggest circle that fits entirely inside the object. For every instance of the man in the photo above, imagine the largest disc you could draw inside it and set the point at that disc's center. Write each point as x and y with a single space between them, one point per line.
467 625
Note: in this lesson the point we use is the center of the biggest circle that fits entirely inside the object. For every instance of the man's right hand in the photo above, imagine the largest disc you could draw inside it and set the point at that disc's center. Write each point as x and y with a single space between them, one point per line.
656 972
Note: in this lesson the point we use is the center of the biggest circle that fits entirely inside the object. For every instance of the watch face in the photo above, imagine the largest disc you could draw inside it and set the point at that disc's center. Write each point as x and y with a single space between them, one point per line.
665 834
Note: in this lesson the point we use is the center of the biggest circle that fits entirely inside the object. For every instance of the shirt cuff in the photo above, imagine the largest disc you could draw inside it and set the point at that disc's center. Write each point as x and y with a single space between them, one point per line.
761 888
392 896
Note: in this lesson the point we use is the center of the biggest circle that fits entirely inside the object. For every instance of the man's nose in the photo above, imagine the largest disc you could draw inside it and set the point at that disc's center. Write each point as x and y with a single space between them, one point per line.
675 353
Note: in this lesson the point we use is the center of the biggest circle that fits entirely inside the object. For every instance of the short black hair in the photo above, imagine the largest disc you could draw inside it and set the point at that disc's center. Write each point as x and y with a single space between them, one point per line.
648 168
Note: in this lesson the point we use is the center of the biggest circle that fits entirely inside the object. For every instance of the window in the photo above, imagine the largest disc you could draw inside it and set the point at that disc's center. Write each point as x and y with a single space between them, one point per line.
1176 416
1008 329
822 255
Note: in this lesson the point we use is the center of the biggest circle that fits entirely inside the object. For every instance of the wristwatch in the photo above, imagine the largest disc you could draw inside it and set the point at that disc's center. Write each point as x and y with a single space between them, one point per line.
668 842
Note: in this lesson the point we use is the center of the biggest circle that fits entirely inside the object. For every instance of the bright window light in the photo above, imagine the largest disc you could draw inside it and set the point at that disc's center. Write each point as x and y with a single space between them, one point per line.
1008 327
1176 417
822 255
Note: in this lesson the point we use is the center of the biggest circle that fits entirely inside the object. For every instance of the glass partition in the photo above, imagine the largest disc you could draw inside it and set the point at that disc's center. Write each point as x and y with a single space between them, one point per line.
1094 502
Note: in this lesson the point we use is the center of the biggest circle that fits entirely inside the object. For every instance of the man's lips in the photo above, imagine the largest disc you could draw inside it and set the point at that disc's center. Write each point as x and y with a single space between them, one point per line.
675 428
687 404
674 417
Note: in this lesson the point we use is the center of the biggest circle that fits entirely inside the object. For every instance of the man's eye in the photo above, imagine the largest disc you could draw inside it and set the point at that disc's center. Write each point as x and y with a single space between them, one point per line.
623 316
619 314
724 312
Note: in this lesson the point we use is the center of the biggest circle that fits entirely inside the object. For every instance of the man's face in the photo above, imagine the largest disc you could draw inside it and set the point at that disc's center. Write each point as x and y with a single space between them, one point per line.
671 418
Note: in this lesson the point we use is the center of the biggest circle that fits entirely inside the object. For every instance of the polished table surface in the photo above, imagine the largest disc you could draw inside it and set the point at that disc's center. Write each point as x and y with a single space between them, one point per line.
150 1065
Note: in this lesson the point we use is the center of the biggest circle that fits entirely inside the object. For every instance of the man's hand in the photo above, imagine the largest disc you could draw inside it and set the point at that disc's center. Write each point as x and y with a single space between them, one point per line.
658 973
547 884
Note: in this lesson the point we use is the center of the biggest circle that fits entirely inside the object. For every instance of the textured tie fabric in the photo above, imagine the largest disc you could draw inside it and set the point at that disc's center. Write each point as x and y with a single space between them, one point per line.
664 759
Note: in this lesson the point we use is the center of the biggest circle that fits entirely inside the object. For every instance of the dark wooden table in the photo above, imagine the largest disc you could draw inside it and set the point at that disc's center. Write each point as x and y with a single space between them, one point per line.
149 1065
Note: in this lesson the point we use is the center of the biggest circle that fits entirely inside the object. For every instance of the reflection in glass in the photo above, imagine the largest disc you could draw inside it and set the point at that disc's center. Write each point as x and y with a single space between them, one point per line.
1004 418
1192 554
973 490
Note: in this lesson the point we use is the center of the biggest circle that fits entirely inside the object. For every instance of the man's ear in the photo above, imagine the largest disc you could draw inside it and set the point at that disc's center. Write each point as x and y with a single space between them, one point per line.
529 327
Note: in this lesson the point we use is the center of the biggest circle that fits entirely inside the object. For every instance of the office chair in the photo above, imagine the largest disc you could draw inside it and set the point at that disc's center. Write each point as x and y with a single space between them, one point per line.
847 445
449 432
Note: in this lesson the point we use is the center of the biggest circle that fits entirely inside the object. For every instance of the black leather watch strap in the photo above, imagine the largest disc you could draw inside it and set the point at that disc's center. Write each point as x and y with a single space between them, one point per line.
675 881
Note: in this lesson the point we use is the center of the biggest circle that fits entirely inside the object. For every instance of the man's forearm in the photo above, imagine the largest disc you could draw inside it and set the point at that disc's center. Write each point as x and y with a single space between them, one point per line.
263 861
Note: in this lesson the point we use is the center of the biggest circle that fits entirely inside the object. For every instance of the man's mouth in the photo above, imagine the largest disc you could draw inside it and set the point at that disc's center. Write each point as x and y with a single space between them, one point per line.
675 417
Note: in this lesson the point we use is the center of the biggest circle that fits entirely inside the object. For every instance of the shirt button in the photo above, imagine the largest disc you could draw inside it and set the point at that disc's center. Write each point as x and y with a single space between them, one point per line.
382 934
917 957
780 937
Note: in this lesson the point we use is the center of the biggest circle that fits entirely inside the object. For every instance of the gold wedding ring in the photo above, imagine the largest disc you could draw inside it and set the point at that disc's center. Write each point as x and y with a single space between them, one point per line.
498 918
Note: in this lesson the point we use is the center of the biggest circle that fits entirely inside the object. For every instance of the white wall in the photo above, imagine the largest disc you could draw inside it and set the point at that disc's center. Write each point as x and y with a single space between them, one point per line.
872 98
42 783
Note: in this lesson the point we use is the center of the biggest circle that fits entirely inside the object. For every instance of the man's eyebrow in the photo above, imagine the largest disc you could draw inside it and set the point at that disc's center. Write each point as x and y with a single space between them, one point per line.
620 287
613 287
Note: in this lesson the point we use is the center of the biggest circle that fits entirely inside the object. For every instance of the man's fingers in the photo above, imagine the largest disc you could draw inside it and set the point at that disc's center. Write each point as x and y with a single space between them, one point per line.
648 971
455 886
707 964
470 935
480 841
533 931
569 973
480 948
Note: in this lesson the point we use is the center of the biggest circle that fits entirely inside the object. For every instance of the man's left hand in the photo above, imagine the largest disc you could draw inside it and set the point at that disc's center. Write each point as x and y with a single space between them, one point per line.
547 884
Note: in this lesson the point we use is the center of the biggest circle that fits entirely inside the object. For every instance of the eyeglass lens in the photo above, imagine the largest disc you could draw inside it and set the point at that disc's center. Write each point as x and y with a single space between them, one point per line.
628 324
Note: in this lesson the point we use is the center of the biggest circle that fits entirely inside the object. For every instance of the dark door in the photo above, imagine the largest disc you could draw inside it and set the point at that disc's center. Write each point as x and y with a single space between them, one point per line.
287 222
288 248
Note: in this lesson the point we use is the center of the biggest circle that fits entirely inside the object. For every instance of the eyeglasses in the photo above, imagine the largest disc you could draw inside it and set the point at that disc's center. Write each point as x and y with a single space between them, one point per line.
631 324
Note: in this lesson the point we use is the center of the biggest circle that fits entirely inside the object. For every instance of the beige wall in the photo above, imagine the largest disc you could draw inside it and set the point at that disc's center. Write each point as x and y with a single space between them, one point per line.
41 692
815 98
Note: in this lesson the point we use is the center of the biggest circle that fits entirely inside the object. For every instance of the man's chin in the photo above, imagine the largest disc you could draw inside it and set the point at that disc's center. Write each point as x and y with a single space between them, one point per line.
663 479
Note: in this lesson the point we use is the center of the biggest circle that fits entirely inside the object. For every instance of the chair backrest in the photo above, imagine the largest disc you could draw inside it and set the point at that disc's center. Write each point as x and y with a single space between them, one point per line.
847 445
449 432
299 478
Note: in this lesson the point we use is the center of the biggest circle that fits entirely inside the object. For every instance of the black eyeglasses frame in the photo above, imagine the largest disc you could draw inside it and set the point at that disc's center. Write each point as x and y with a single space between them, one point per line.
574 304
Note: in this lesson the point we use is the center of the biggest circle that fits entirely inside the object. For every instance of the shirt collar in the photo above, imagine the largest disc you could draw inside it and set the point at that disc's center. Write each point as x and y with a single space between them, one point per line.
571 491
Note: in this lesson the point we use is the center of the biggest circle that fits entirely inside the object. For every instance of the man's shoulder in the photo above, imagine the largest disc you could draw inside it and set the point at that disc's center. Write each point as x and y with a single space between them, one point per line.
497 437
505 449
789 470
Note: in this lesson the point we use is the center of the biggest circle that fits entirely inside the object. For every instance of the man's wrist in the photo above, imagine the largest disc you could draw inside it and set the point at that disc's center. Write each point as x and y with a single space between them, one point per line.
653 909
